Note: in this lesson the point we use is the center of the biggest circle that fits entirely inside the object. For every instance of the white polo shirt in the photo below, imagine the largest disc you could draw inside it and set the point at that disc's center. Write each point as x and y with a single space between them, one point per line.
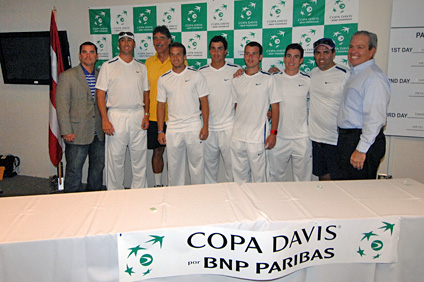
221 105
253 95
182 92
326 93
124 83
294 105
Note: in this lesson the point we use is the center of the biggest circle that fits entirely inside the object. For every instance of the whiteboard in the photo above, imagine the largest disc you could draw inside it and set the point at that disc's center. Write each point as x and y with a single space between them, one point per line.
405 116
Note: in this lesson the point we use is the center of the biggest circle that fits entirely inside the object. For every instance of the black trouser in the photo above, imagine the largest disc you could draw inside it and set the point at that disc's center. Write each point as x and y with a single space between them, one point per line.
346 144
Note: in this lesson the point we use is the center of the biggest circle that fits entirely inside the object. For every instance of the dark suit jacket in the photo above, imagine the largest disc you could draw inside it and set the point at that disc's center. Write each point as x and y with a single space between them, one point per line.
77 111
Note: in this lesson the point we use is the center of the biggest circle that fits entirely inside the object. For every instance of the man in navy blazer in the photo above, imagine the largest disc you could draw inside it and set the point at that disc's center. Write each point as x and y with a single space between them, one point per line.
80 122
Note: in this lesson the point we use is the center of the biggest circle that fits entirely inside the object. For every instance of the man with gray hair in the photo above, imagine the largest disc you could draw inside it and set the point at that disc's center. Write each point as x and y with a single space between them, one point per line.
362 115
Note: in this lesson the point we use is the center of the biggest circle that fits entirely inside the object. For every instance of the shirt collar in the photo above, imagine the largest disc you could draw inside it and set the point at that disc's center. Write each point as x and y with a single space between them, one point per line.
86 71
363 66
157 58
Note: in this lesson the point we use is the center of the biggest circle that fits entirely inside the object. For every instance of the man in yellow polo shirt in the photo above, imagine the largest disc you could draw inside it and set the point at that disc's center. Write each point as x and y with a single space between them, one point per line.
157 65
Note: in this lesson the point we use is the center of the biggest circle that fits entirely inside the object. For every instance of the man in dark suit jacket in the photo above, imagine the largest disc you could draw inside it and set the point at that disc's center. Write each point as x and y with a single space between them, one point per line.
80 122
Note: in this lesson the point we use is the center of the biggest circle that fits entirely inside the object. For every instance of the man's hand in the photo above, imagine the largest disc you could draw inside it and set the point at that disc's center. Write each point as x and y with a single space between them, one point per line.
204 133
269 115
357 159
145 123
273 70
270 141
108 127
238 73
162 138
69 137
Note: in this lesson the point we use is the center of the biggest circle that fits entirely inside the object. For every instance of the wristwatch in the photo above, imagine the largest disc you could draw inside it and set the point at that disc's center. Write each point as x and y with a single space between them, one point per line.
274 132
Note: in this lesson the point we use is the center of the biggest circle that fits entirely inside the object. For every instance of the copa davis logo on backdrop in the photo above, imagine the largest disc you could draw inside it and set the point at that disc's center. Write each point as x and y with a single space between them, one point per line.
257 255
144 19
309 12
341 11
220 15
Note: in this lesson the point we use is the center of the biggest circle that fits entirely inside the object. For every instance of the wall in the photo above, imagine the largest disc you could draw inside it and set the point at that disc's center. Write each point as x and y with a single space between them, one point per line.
24 108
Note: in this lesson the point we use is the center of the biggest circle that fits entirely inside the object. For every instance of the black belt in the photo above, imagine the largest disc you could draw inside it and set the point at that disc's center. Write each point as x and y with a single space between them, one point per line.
349 130
354 130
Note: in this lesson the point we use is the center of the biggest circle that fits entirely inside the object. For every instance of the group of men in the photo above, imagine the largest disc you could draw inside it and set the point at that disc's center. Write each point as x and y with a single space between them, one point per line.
329 122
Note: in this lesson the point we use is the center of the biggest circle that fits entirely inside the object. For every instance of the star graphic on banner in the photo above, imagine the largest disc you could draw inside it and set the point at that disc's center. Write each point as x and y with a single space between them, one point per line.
376 256
368 235
361 252
129 270
156 239
147 272
135 250
388 226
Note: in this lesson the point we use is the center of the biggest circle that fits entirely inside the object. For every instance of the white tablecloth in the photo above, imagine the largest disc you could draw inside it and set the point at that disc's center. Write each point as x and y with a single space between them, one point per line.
72 237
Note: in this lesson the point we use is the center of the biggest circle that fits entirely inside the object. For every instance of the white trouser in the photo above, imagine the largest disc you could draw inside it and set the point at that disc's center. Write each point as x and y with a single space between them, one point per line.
299 151
248 161
128 133
218 144
180 147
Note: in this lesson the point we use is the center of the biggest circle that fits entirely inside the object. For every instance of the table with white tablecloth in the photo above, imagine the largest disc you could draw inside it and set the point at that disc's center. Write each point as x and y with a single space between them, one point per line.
76 237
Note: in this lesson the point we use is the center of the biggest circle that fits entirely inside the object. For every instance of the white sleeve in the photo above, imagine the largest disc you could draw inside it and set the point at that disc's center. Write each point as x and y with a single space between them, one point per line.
145 79
202 86
234 92
275 96
161 96
102 79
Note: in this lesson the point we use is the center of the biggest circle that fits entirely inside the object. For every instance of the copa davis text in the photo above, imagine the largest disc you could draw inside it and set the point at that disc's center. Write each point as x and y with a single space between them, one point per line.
233 242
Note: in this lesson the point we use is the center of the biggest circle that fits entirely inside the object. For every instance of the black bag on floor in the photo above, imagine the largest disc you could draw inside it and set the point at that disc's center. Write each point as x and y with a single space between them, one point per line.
11 165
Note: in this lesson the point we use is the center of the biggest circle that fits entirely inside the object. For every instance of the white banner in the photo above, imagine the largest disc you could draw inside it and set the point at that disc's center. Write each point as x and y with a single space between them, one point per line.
405 116
256 255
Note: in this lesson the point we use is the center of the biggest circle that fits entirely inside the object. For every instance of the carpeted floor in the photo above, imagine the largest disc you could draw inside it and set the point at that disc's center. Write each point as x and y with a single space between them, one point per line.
21 185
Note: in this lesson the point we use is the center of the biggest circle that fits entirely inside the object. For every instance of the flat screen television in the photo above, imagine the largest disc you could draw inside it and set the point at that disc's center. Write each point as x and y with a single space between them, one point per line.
25 56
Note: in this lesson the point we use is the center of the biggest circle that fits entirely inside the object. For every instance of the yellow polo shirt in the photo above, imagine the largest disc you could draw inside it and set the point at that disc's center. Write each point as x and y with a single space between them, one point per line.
155 68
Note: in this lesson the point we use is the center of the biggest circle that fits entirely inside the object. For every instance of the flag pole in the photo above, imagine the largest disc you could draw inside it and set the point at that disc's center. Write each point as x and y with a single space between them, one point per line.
55 138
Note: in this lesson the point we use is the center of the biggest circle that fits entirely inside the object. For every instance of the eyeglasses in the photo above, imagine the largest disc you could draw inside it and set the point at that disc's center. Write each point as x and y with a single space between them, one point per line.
122 33
324 41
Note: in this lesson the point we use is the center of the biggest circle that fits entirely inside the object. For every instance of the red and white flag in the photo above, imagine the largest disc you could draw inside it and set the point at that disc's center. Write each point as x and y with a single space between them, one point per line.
55 138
